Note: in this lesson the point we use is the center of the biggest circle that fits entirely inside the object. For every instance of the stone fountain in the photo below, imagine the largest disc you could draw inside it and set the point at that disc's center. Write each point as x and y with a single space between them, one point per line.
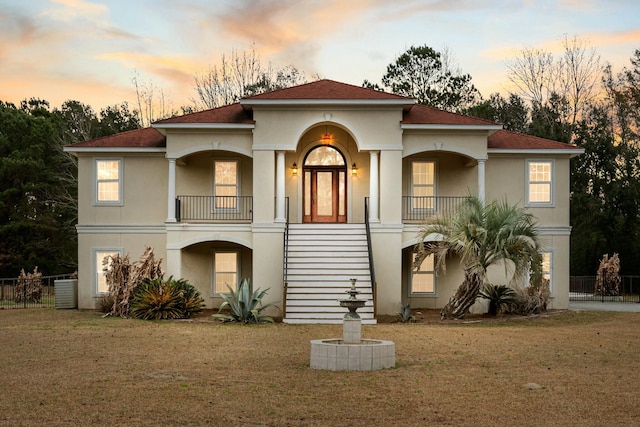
352 353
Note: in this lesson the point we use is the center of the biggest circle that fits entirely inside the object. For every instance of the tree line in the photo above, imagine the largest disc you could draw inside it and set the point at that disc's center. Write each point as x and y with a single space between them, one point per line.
573 97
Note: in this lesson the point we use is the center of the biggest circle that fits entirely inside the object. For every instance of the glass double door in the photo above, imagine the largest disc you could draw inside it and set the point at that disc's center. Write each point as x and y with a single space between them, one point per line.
325 194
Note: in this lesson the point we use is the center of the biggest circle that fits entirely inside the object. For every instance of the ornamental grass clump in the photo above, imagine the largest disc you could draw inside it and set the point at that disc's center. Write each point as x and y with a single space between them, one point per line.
159 299
123 277
245 306
532 299
29 286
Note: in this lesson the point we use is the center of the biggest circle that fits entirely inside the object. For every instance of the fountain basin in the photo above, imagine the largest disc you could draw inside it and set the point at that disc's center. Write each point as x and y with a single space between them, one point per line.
369 355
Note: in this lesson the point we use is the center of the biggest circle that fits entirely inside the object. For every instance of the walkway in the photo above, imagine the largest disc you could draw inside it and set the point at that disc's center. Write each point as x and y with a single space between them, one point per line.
629 307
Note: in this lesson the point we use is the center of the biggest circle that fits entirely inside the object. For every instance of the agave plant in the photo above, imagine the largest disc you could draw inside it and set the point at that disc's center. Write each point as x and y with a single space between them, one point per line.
500 298
404 315
245 305
165 299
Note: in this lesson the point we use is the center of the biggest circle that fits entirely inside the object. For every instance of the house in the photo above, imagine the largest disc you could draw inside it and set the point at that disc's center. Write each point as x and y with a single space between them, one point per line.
304 188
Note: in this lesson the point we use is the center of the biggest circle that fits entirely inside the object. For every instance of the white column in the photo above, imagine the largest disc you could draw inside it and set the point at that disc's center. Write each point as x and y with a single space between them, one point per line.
374 187
171 192
280 214
481 185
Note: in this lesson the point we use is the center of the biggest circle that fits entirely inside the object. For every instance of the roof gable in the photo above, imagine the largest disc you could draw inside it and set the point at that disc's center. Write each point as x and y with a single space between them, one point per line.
326 90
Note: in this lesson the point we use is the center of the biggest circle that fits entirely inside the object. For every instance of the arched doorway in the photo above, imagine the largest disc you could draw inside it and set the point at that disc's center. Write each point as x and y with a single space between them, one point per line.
325 185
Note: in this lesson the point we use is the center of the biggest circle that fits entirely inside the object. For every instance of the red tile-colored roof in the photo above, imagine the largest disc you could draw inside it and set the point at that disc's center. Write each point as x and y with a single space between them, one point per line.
233 113
328 90
322 90
138 138
422 115
505 139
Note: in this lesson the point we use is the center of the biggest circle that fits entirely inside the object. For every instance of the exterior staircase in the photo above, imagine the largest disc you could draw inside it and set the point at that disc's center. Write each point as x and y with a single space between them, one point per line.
322 259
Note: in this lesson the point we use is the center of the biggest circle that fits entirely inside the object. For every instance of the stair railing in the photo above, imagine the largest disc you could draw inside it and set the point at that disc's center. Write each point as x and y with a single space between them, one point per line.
372 270
285 266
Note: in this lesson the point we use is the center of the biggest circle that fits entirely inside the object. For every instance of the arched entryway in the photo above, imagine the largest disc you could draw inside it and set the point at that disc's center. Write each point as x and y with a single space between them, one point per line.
324 185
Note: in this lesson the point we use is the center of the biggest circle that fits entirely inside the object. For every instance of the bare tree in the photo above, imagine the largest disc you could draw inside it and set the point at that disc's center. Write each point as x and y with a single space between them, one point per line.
573 76
581 72
238 75
153 103
534 75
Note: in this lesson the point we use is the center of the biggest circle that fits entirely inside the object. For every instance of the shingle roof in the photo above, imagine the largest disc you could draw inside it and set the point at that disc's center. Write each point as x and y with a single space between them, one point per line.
233 113
422 114
322 90
505 139
327 90
138 138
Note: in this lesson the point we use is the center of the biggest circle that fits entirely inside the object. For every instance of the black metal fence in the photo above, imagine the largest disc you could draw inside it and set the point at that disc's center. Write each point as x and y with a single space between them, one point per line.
417 208
214 208
587 288
29 293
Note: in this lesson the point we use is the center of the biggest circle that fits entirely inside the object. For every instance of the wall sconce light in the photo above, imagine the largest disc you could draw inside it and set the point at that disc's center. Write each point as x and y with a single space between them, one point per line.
294 169
354 170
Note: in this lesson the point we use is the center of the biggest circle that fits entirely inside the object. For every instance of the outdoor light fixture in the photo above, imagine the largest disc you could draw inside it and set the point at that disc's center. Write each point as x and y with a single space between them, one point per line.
354 170
294 169
326 138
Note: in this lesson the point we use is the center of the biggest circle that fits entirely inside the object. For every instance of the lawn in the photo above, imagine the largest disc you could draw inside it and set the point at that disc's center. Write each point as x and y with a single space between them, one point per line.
76 368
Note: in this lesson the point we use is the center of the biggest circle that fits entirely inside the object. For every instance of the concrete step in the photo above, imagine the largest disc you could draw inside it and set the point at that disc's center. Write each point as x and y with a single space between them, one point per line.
321 260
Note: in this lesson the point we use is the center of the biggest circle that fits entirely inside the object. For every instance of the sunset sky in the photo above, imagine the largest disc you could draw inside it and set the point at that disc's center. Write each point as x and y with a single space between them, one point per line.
89 50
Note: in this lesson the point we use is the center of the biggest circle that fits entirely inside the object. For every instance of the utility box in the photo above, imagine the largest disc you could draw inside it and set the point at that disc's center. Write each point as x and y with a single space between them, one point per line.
66 292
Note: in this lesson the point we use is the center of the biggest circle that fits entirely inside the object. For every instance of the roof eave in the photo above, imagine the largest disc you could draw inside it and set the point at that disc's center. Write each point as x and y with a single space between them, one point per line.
572 152
71 149
421 126
326 102
163 127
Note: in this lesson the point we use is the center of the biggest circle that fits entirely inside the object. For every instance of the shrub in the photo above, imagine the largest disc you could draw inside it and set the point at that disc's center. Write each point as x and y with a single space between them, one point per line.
123 278
532 299
165 299
104 303
245 305
29 286
500 297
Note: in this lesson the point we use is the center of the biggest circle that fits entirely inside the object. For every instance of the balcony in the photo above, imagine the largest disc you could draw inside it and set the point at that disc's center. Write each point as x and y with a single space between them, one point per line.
419 208
229 209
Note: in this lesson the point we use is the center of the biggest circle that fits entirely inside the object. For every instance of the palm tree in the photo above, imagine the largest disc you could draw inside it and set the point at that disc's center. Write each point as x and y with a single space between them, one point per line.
482 235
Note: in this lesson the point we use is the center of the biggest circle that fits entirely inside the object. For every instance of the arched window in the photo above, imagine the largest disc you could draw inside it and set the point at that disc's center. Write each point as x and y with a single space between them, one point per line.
325 185
324 156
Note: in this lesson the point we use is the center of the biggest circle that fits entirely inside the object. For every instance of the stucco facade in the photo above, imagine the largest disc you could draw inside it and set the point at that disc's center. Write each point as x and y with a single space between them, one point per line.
264 155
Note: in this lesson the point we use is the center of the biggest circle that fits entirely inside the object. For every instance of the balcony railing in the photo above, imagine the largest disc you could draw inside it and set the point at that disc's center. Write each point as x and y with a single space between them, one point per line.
214 208
418 208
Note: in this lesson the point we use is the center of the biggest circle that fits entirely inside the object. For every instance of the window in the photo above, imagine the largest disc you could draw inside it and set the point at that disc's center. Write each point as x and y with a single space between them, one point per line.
225 271
225 184
324 156
539 182
423 186
423 281
101 286
108 181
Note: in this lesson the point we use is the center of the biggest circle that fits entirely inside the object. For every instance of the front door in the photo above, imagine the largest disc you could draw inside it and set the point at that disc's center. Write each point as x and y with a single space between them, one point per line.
325 186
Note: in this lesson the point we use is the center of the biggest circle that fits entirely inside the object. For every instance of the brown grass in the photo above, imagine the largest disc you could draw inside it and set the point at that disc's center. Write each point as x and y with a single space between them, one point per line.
76 368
